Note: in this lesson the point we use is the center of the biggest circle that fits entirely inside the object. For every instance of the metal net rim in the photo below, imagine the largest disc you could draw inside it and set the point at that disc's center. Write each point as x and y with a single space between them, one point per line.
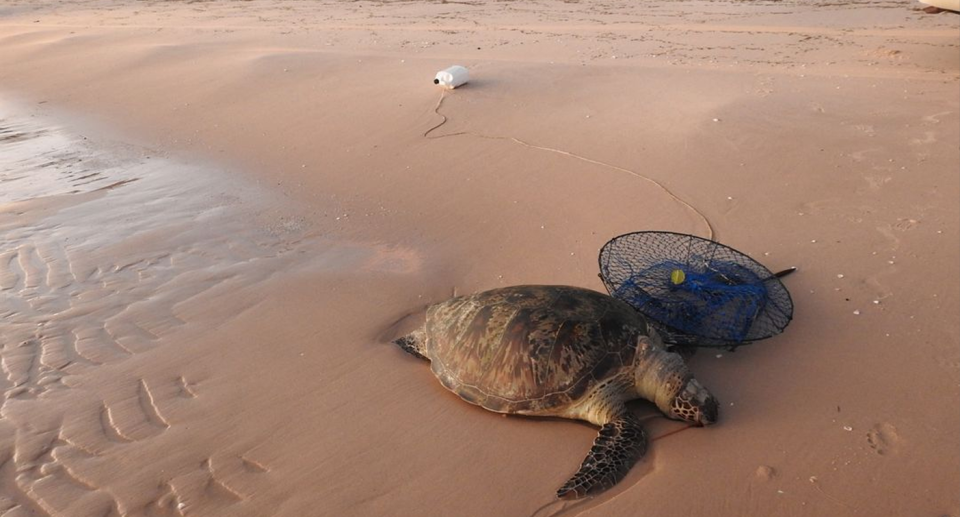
670 334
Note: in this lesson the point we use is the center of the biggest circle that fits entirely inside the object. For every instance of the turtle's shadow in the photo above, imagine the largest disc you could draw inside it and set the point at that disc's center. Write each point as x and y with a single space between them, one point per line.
476 85
643 409
401 326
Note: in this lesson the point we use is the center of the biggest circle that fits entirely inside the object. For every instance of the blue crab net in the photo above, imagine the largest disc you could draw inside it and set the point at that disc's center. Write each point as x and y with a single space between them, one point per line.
695 291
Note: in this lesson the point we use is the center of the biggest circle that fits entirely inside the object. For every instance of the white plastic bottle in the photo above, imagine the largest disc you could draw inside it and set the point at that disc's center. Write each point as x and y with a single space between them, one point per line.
452 77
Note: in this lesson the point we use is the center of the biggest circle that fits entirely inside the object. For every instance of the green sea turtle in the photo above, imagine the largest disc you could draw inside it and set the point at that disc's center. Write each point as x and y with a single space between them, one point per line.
563 352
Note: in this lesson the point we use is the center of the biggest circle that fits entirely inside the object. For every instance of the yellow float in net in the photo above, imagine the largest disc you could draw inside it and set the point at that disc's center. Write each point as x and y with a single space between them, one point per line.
677 276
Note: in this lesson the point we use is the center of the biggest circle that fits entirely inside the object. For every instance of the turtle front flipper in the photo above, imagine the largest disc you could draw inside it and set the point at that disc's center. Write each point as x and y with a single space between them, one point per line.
414 343
619 445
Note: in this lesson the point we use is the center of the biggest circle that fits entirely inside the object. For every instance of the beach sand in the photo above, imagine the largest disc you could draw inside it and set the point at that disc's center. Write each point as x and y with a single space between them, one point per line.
213 213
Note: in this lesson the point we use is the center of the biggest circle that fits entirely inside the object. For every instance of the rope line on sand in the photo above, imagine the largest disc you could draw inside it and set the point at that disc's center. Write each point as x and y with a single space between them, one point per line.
664 189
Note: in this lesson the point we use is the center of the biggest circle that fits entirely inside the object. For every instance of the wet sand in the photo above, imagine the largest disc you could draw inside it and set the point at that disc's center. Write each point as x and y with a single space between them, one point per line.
213 212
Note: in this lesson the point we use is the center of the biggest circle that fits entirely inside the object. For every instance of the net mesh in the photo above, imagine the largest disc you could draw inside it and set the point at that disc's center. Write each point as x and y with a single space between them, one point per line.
696 291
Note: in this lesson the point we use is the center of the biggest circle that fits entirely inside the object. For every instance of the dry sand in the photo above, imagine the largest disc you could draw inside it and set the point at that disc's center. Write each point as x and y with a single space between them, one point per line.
211 213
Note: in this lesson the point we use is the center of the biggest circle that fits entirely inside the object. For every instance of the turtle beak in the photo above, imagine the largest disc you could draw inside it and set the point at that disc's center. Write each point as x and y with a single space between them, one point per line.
695 405
709 411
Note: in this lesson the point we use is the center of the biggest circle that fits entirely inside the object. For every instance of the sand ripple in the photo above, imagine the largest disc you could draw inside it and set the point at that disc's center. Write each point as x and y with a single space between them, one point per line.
108 254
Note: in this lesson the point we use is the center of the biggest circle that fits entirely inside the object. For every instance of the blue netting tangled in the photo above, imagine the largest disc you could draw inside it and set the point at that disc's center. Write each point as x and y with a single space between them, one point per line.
695 291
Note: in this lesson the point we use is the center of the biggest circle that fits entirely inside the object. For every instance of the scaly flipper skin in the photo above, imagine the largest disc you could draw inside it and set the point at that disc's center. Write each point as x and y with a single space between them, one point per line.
619 445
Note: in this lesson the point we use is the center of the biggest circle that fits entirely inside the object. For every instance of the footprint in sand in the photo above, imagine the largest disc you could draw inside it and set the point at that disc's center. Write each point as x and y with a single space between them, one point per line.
929 137
905 224
861 155
877 182
887 231
866 129
935 118
819 206
883 438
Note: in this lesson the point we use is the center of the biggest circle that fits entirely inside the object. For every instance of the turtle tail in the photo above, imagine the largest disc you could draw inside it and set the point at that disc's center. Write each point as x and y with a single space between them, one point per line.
414 344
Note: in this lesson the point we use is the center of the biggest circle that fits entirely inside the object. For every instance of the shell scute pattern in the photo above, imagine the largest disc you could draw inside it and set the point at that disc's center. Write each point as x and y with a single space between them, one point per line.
566 352
484 326
530 349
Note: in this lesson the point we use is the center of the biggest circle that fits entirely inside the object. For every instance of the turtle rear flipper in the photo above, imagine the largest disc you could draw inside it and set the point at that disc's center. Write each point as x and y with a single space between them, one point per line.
619 445
414 343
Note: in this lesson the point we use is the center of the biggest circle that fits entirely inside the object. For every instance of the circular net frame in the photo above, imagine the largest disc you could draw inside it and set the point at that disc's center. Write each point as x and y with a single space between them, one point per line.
697 292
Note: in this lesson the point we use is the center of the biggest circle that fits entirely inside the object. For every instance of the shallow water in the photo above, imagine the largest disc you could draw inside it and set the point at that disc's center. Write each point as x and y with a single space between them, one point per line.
108 253
103 245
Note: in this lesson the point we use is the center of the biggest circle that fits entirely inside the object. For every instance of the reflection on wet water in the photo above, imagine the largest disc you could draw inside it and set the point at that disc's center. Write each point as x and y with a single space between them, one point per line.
43 161
101 248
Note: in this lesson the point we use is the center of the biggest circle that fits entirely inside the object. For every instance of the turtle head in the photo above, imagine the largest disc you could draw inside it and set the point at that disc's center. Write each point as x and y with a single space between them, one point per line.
694 403
662 377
